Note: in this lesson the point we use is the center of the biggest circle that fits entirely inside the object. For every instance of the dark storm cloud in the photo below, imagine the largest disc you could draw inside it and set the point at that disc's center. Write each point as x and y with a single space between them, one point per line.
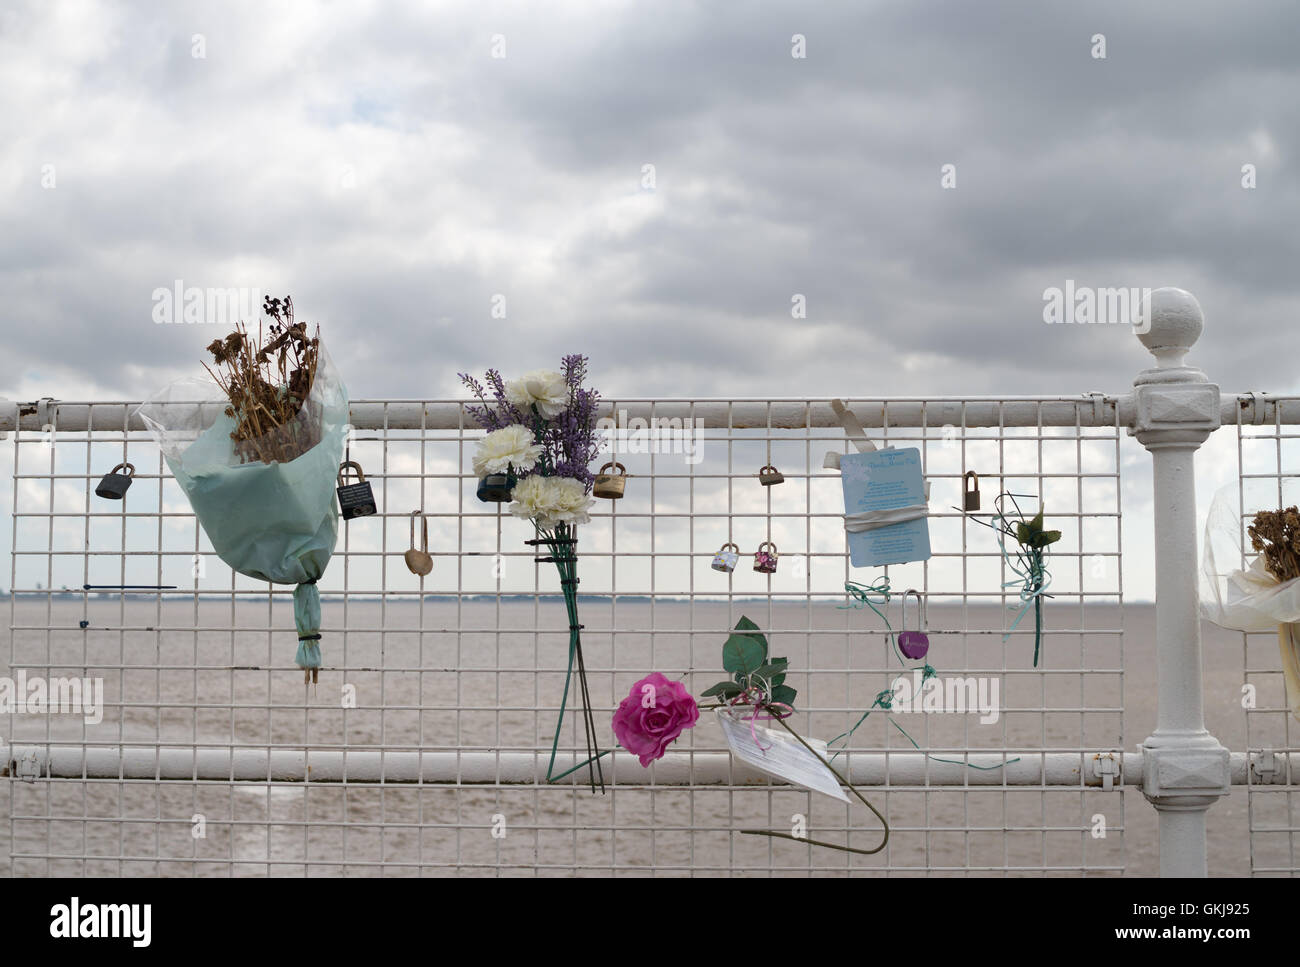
383 167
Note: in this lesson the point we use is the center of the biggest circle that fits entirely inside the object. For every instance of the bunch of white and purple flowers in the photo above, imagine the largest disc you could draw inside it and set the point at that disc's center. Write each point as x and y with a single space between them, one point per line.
537 454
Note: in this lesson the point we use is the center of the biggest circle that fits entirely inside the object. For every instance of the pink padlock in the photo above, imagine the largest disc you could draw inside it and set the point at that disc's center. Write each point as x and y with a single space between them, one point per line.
765 561
914 644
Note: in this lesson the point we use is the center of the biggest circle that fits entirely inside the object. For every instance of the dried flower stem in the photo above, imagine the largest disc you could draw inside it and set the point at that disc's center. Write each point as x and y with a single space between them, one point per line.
268 385
1276 534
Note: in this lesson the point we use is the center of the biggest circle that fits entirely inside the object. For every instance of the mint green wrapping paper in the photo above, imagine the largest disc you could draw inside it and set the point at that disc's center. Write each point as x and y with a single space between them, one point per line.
275 522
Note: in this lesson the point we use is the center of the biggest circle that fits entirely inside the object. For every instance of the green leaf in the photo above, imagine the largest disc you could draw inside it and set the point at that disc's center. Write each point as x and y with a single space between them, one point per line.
773 672
774 666
784 694
1049 537
722 690
1023 534
1037 523
746 627
741 655
745 650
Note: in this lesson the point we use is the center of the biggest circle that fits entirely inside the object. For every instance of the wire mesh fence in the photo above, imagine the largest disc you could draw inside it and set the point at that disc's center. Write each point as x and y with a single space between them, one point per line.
422 748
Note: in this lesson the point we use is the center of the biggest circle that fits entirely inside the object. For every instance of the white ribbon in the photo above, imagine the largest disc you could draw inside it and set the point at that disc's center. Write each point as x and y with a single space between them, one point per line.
869 520
852 429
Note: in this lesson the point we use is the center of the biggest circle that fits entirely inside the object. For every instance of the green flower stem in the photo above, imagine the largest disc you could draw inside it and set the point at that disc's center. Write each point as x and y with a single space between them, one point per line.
562 544
1038 605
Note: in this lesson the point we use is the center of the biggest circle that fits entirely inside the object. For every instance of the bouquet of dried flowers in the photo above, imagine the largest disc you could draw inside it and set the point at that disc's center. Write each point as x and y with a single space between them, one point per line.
1265 594
259 464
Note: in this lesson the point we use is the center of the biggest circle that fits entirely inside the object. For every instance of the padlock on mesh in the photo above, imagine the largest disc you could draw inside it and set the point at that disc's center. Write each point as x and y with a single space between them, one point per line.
726 560
765 560
114 485
355 499
496 488
914 644
418 560
971 491
610 485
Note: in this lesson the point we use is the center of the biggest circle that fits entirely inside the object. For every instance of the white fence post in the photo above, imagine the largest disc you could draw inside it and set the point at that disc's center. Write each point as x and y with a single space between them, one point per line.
1175 409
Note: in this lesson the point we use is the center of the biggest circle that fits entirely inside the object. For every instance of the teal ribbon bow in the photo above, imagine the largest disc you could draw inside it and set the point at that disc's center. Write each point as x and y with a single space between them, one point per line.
1032 578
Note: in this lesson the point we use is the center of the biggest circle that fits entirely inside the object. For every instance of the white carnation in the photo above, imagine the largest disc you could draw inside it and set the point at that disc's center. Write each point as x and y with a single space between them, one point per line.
501 449
542 388
551 500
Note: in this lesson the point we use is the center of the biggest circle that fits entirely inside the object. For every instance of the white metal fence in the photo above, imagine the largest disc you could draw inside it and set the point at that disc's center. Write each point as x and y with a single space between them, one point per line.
423 748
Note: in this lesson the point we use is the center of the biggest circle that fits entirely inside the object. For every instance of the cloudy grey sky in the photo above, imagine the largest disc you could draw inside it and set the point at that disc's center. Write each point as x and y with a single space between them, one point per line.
380 163
397 167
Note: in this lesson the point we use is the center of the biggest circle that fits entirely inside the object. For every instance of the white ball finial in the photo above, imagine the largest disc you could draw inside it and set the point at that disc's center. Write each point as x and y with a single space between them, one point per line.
1169 322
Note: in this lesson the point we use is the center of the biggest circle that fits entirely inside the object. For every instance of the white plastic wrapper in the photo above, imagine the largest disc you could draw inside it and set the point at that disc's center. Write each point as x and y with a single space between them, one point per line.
1249 598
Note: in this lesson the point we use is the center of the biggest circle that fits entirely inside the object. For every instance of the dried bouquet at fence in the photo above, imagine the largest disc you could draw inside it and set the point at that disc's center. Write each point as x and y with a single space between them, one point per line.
1276 535
261 473
1266 593
268 384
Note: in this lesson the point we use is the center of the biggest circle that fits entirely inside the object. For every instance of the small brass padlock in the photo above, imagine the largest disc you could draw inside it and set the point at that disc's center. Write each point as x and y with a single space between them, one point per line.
355 499
418 560
914 644
971 492
769 475
496 488
765 561
726 560
114 485
610 485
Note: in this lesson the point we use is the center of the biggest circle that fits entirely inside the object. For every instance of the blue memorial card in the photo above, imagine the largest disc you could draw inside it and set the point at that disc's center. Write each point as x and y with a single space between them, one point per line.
885 480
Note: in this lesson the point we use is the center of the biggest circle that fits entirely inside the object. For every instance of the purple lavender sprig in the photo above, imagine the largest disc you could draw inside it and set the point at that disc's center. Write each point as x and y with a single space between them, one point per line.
569 441
497 413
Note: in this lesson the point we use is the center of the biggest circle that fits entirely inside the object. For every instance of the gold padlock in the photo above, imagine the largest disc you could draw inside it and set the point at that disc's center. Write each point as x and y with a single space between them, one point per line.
610 485
417 559
971 491
769 475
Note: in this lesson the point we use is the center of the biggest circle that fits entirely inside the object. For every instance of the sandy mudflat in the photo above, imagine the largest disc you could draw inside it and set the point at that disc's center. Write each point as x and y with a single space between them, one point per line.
410 685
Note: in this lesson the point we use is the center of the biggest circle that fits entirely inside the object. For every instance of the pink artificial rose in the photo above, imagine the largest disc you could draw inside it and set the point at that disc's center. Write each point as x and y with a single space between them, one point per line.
655 713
